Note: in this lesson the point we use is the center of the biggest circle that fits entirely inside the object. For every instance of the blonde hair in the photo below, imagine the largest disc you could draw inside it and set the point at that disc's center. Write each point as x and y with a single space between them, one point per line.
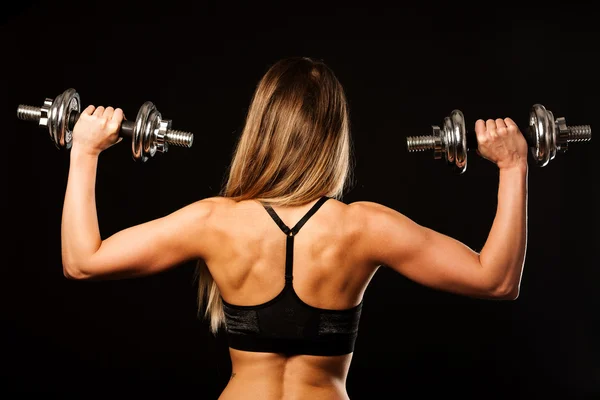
294 148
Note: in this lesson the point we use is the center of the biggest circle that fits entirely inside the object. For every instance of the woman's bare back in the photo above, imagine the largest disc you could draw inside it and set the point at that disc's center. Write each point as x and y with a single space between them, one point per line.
248 265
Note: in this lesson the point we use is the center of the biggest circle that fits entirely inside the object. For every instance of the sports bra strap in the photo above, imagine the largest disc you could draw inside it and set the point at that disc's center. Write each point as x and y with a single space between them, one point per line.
290 233
294 231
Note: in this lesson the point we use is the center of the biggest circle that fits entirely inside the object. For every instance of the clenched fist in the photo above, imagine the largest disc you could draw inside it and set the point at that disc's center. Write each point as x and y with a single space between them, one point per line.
501 142
97 129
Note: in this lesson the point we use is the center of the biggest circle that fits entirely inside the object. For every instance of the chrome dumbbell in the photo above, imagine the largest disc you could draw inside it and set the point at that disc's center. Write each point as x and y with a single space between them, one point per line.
545 136
149 133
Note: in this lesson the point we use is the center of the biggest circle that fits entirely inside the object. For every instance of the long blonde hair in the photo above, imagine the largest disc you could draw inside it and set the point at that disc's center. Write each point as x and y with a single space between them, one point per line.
294 148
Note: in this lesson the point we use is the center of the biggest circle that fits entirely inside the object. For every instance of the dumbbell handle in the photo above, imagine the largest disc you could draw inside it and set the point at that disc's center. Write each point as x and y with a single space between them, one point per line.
126 130
472 139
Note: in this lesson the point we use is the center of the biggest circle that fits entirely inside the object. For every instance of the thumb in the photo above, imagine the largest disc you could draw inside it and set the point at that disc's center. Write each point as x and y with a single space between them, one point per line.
117 141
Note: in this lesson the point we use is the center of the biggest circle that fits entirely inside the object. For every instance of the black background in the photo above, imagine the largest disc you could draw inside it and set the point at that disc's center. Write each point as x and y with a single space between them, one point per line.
404 69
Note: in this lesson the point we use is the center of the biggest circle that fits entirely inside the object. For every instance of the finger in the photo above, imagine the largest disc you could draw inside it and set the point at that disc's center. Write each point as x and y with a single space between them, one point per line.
501 127
511 127
480 127
108 113
99 111
490 126
89 110
481 133
509 122
500 123
118 115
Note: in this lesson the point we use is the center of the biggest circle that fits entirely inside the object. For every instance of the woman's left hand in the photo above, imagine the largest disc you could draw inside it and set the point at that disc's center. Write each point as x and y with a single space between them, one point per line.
97 129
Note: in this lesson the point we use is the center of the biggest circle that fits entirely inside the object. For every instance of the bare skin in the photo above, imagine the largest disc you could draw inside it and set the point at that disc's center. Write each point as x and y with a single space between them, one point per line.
336 253
249 269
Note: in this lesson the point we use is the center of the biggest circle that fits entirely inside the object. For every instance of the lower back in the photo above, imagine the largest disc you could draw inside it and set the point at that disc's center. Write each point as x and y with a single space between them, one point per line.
268 376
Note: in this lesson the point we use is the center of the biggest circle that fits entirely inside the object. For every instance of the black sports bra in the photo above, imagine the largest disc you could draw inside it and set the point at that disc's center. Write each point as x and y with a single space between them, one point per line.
286 324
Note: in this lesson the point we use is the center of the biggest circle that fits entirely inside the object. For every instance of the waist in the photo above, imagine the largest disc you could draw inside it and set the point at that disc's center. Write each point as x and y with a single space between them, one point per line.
276 376
263 386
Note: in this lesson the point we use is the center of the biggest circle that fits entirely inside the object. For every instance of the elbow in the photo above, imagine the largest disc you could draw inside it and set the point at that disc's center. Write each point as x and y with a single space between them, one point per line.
505 292
73 272
504 287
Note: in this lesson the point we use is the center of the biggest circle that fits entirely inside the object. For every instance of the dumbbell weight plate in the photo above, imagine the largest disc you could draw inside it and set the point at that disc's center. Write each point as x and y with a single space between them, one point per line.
58 118
142 144
456 141
150 134
542 134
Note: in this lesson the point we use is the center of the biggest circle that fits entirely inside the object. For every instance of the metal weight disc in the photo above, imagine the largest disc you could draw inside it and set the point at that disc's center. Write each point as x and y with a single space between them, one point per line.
542 126
460 140
456 141
53 120
149 140
448 140
139 131
552 139
58 117
74 105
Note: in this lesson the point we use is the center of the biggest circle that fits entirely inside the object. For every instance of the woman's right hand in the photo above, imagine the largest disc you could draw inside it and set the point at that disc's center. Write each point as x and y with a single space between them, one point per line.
501 142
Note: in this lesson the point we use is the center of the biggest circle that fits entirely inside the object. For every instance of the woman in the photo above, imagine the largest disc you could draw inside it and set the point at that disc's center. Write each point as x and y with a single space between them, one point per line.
283 264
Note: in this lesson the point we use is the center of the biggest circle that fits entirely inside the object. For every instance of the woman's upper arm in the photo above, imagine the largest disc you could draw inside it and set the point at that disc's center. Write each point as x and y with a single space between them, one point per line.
421 254
153 246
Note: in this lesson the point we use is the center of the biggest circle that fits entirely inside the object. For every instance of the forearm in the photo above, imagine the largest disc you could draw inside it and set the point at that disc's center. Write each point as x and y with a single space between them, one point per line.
503 254
80 233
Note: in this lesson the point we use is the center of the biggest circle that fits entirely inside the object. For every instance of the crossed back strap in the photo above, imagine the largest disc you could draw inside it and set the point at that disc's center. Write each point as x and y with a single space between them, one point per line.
289 247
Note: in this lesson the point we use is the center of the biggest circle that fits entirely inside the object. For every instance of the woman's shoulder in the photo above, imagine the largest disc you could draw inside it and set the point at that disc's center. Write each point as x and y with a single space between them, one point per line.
364 209
356 211
220 207
215 203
